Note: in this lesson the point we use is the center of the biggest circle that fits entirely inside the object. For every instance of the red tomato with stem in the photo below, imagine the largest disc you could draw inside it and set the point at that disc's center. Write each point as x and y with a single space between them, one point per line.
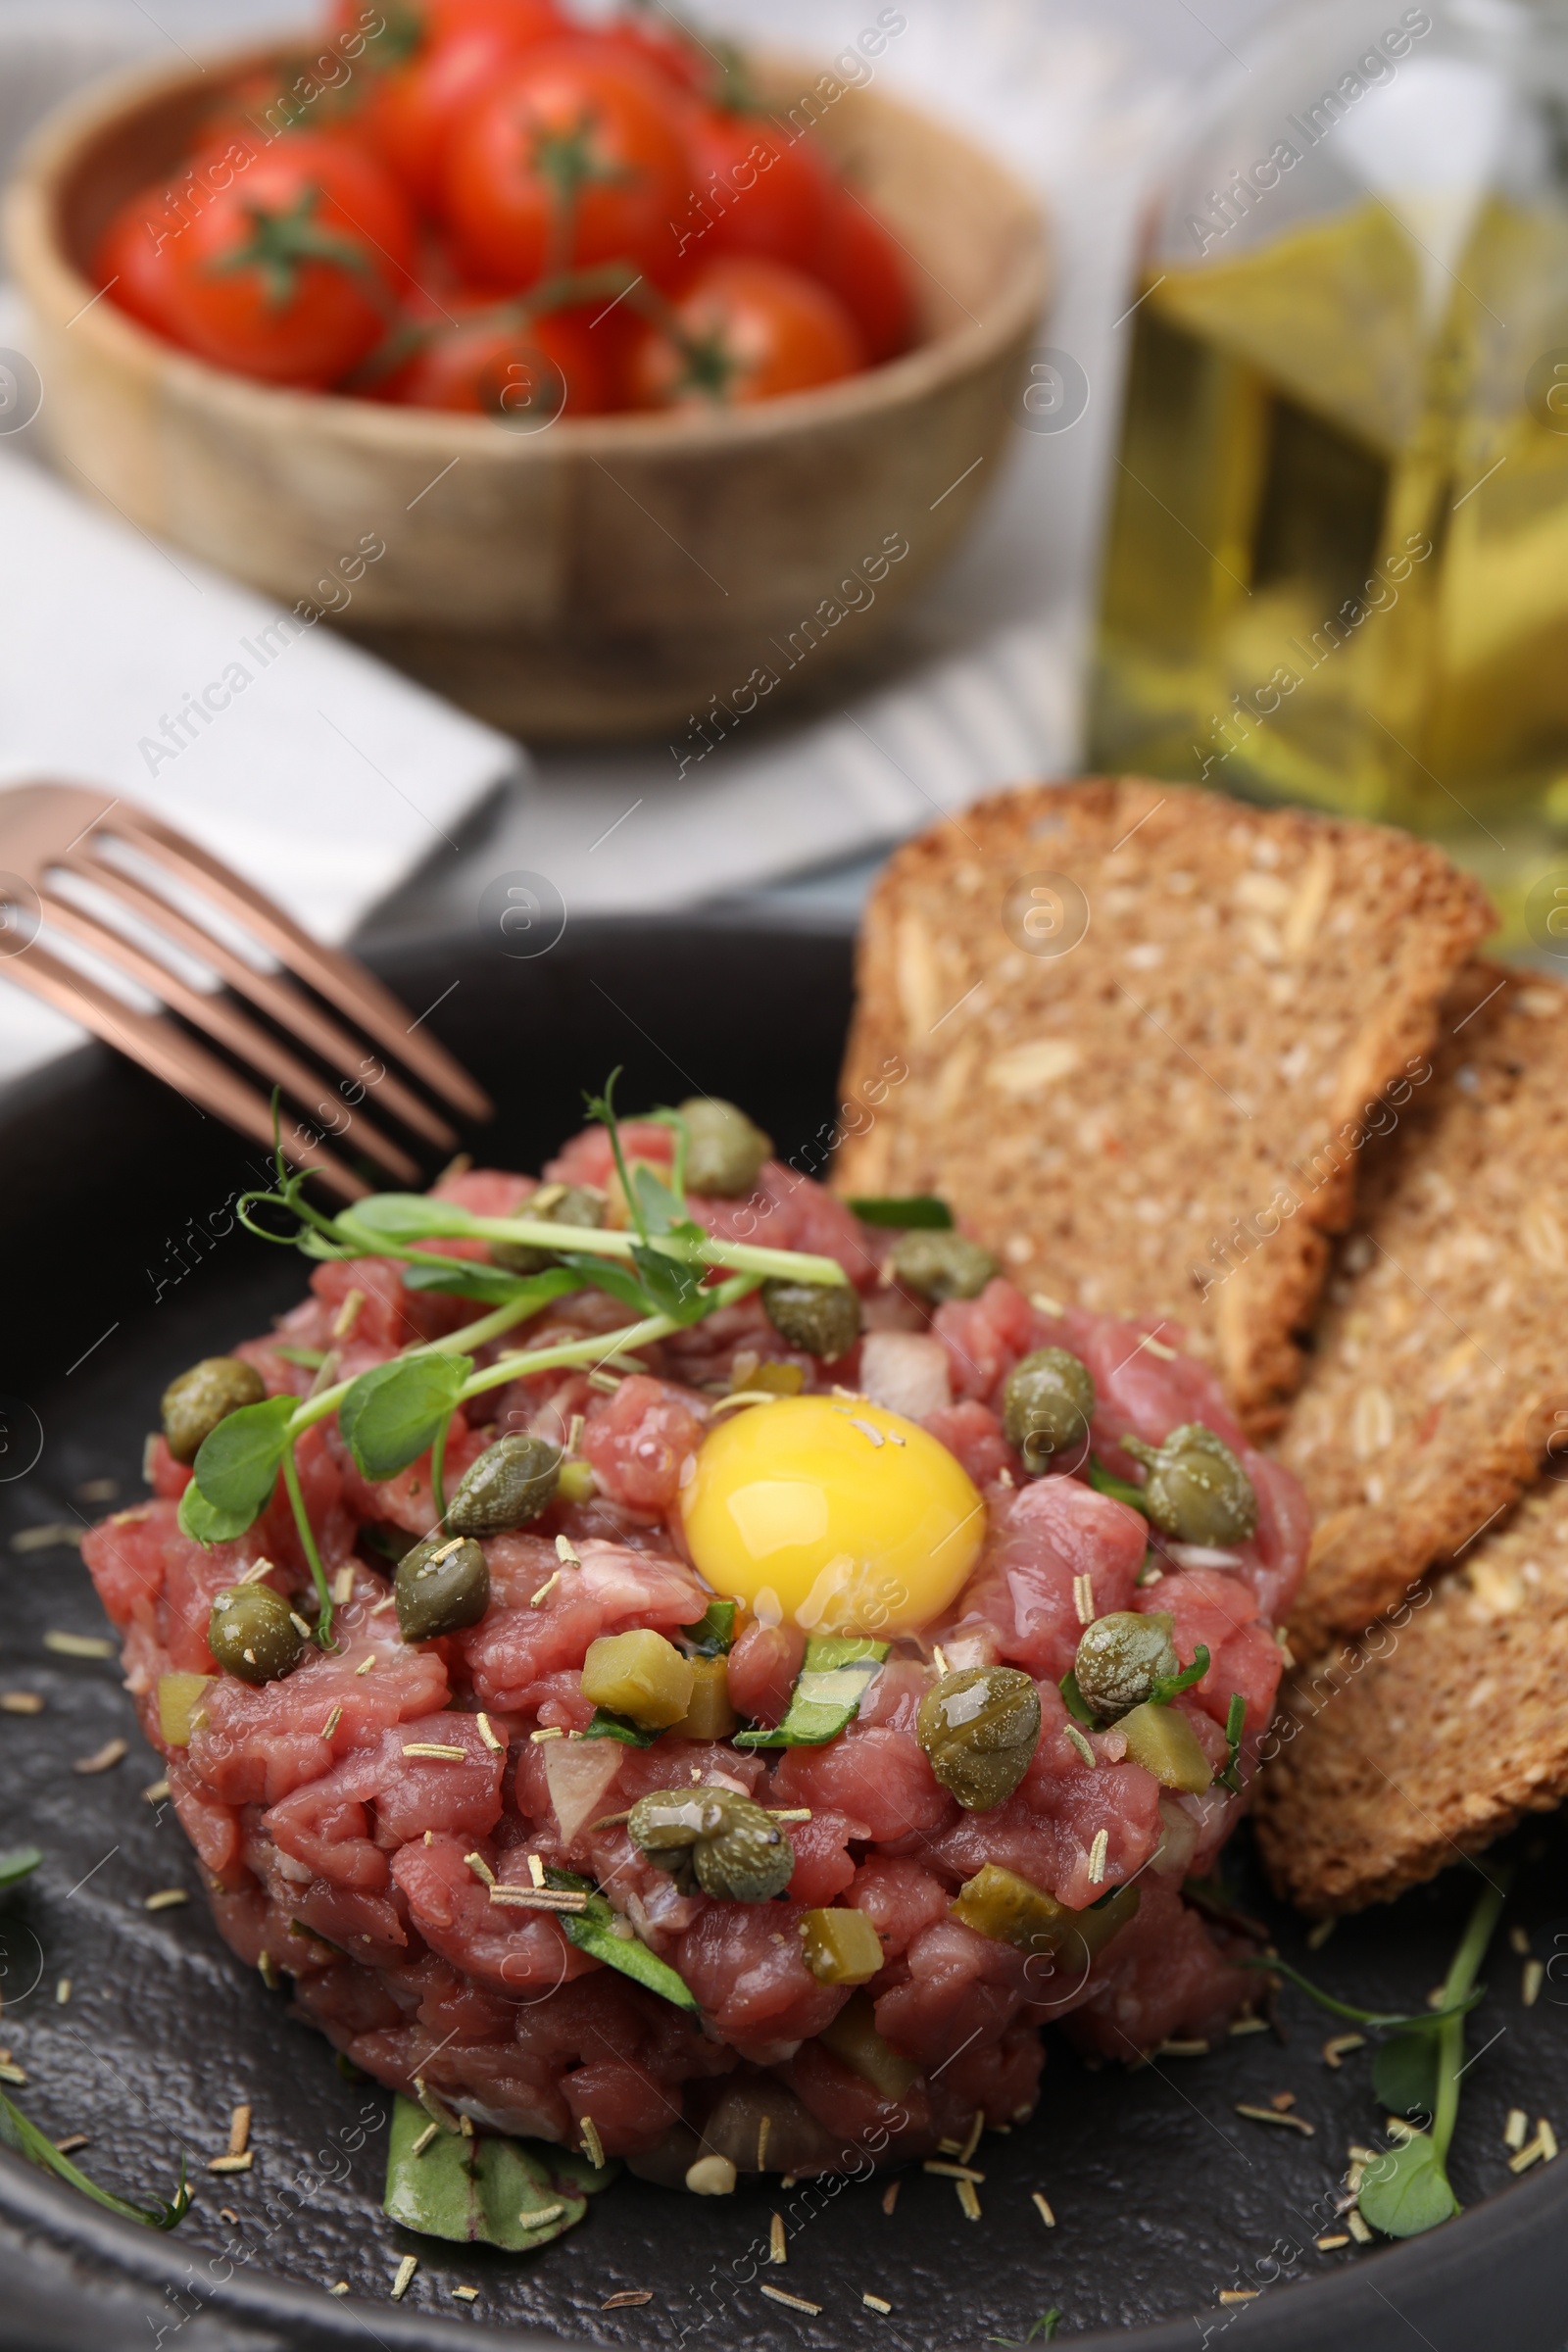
744 331
418 92
292 271
755 189
868 272
568 162
131 261
525 372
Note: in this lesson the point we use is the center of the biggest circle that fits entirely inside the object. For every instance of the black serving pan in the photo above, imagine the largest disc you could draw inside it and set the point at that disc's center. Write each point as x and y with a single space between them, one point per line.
121 1265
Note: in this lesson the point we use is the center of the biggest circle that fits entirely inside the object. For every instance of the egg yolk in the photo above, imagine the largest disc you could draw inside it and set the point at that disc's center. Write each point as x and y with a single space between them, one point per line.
832 1513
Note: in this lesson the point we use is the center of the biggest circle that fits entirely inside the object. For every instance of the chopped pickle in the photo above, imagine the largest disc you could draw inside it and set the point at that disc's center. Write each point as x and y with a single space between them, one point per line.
179 1698
749 1372
710 1715
853 2039
1164 1743
840 1946
833 1679
998 1903
640 1676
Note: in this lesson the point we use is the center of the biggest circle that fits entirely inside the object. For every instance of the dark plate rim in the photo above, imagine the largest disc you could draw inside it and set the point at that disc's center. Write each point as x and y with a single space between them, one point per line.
1496 2256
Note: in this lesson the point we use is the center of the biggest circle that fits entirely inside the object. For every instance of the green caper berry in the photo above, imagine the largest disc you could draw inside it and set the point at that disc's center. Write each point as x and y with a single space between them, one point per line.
252 1632
1197 1489
980 1726
194 1404
715 1840
511 1483
441 1586
822 1317
941 1264
1046 1405
571 1204
1121 1657
724 1152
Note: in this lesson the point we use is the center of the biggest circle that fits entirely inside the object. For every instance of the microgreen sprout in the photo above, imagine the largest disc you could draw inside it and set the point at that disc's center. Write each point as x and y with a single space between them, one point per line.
1406 2190
667 1272
1120 1490
25 2138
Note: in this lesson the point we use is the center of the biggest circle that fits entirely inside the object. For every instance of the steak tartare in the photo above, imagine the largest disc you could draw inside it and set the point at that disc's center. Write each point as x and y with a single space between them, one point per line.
552 1810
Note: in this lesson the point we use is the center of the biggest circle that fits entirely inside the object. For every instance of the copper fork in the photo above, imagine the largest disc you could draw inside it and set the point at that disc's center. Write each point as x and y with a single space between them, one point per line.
84 868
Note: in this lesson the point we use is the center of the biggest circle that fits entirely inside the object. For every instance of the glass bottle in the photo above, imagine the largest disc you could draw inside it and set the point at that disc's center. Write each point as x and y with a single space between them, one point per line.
1337 569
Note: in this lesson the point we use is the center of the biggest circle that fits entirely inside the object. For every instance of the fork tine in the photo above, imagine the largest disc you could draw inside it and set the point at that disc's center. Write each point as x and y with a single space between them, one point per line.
338 978
153 1039
222 1022
273 993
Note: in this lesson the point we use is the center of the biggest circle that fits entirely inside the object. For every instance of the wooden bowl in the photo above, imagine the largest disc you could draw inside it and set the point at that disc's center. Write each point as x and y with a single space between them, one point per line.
607 577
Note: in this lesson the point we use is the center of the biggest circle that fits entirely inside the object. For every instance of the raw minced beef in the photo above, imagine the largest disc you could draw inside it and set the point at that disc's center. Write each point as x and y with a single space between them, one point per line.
334 1855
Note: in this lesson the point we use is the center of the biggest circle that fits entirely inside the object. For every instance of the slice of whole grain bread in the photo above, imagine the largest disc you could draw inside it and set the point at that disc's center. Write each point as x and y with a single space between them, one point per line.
1439 1375
1433 1734
1161 1112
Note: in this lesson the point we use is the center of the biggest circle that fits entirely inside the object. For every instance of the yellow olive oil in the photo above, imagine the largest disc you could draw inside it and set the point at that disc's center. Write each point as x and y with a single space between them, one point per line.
1338 560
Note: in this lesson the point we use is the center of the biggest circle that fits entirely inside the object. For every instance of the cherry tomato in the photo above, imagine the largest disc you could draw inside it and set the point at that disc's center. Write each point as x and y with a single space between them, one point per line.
291 271
669 49
755 189
747 330
867 270
568 162
524 374
131 261
417 94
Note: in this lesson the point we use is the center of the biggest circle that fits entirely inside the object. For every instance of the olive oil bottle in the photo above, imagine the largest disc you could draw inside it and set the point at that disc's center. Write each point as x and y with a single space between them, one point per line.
1336 568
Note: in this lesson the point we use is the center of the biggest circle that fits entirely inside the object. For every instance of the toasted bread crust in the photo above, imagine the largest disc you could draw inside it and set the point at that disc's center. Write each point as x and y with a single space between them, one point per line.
1432 1735
1168 1116
1439 1378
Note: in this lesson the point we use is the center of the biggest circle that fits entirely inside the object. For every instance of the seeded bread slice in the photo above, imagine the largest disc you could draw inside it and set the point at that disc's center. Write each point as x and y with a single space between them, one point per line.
1435 1732
1165 1118
1439 1375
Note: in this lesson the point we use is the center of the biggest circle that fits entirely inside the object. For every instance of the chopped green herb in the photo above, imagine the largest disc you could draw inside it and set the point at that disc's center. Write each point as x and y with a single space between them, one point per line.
16 1864
487 2190
310 1359
713 1634
16 2133
832 1682
606 1726
1167 1686
1120 1490
1235 1724
918 1213
1044 2328
595 1931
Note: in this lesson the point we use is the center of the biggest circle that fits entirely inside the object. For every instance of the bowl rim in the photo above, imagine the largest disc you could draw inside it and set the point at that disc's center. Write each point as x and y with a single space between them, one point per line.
60 293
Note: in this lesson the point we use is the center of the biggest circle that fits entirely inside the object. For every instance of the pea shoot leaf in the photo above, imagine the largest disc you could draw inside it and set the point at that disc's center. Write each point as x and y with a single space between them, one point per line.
613 1275
1404 2072
493 1284
401 1219
16 2133
674 1289
393 1412
18 1863
918 1213
487 2190
1381 2021
1406 2190
661 1211
236 1470
594 1931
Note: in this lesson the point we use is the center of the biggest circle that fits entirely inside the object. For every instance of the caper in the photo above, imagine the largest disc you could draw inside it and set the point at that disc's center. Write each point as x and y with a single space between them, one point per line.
941 1264
1121 1657
511 1483
551 1204
724 1152
194 1404
715 1839
441 1586
252 1631
1047 1404
822 1317
980 1726
1196 1491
